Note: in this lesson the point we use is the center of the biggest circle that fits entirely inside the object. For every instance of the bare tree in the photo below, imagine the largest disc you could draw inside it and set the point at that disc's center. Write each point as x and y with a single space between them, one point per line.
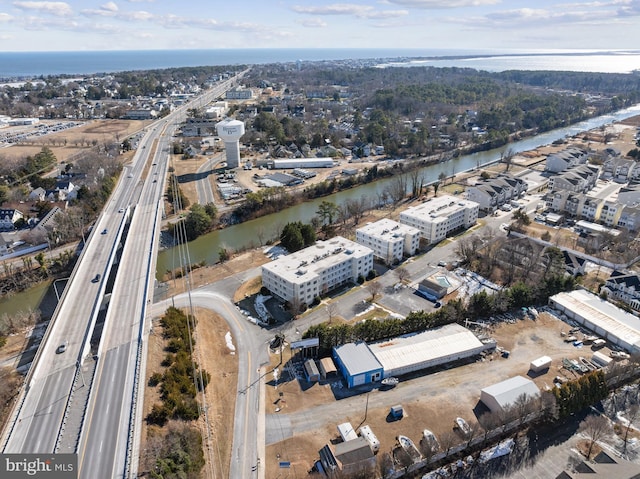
633 414
397 189
448 440
402 273
595 428
374 288
332 311
506 157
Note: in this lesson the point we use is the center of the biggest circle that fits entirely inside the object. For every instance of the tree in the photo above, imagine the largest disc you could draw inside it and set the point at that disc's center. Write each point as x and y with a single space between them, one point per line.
595 428
197 222
332 311
506 157
327 211
4 194
374 288
633 414
402 273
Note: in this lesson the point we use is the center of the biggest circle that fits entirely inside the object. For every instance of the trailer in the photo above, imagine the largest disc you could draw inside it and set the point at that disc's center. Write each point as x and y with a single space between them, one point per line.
540 364
396 412
365 431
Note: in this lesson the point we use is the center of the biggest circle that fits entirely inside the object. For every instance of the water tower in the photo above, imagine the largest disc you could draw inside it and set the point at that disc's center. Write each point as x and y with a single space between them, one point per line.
230 131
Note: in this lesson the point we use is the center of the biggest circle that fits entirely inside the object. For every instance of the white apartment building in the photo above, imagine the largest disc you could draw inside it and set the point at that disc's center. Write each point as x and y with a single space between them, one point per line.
311 272
436 217
389 240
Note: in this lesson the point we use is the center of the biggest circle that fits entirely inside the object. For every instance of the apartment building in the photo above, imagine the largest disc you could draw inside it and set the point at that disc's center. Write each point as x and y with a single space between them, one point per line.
302 276
437 217
389 240
565 159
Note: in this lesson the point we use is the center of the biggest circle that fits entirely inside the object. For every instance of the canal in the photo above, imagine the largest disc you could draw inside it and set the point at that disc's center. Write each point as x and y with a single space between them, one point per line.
256 232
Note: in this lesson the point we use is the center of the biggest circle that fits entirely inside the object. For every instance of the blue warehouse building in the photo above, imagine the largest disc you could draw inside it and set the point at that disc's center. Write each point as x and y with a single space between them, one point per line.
357 364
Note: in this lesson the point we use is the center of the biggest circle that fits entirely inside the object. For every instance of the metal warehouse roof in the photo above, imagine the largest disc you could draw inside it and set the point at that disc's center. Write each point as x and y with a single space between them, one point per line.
601 313
357 358
508 391
423 347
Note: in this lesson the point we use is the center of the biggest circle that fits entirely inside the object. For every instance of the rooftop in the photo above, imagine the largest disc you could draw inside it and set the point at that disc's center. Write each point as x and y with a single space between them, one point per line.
388 229
602 314
423 347
440 207
311 261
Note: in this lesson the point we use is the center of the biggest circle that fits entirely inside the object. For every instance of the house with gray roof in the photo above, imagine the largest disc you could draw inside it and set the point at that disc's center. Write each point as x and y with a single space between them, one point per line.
624 287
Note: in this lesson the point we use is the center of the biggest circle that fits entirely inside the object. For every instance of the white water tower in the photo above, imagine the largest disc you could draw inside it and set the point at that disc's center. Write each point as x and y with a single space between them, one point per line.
230 131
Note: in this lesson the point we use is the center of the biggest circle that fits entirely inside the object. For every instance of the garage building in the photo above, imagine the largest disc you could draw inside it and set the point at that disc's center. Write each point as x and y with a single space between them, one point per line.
501 396
414 352
603 318
357 364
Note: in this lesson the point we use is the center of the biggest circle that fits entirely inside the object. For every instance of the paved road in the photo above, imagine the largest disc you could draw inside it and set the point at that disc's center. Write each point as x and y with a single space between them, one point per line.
38 423
251 344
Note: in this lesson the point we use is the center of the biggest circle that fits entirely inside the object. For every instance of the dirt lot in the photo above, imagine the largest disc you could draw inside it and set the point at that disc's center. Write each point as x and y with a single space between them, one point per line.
215 357
430 401
65 144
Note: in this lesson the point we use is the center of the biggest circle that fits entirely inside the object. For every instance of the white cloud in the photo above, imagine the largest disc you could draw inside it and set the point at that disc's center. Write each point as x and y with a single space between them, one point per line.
59 9
109 6
361 11
313 23
5 17
435 4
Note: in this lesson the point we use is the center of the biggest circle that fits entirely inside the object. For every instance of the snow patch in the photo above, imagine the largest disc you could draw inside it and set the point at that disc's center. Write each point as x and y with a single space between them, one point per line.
229 341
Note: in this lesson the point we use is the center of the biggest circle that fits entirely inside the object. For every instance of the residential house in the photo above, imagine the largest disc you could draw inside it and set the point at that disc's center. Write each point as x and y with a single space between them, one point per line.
565 159
604 466
9 217
623 287
578 179
491 193
66 191
37 194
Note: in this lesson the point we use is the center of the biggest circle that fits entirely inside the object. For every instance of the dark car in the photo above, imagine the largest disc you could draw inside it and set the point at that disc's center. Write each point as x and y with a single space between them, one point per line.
62 348
96 279
104 231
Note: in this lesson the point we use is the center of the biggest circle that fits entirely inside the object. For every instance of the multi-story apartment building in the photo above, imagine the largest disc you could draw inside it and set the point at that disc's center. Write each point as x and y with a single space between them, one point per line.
389 240
302 276
437 217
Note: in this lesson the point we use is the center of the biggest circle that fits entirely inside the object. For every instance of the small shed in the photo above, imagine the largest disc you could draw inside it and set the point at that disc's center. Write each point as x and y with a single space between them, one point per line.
311 371
396 411
432 290
327 367
540 364
500 396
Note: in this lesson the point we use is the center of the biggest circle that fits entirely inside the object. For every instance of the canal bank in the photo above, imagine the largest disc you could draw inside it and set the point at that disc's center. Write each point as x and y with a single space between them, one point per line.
259 231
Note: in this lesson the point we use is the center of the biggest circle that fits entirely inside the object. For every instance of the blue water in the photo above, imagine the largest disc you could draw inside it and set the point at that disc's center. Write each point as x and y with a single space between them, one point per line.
34 64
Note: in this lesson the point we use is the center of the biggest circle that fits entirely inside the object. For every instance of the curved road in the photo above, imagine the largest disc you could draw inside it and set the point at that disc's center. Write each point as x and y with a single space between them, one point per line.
251 349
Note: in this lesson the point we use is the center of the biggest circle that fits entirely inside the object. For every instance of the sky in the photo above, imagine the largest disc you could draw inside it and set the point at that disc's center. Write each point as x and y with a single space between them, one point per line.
489 25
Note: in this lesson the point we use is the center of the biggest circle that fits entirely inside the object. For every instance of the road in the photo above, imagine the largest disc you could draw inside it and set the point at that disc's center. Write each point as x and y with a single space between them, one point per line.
251 349
110 428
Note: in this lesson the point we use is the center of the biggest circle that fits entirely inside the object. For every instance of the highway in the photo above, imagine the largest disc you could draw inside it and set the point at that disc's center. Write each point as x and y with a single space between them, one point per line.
110 432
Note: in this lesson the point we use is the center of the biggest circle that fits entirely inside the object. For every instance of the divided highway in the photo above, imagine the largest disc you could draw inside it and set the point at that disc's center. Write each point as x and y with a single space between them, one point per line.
108 439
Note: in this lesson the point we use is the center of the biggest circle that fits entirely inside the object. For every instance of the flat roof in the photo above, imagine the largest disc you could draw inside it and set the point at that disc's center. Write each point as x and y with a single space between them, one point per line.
508 391
426 346
388 229
440 207
602 314
309 262
357 358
